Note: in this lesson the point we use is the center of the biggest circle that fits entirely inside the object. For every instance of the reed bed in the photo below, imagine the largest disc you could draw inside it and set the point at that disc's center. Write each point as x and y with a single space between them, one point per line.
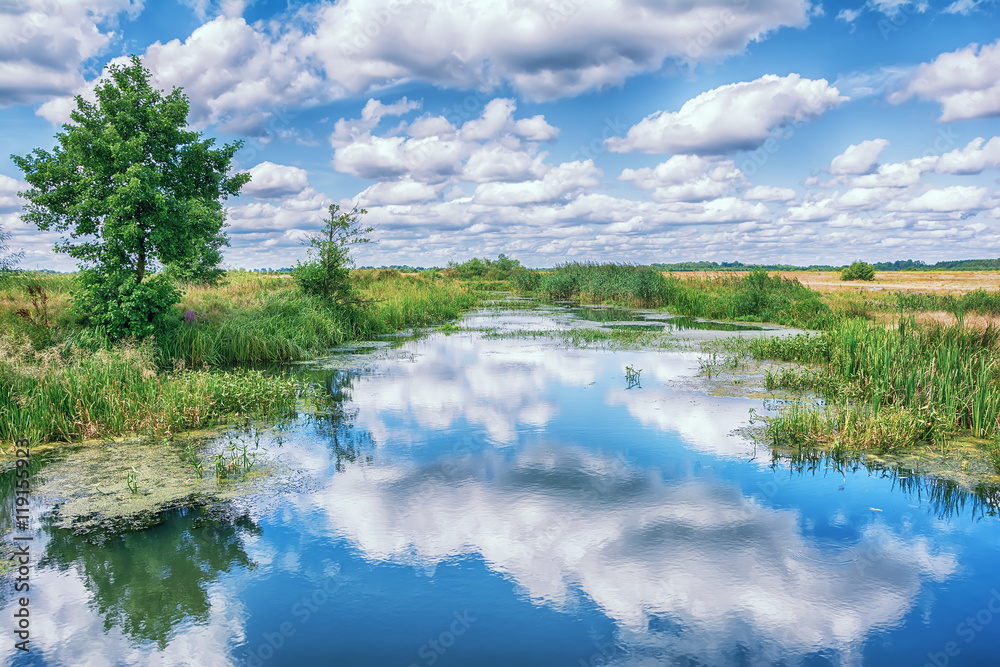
627 284
922 383
70 394
754 297
396 301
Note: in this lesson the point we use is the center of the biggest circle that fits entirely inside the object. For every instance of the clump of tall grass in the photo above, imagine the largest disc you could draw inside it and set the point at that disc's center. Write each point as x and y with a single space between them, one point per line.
396 301
945 377
849 428
255 319
69 394
279 325
620 283
754 297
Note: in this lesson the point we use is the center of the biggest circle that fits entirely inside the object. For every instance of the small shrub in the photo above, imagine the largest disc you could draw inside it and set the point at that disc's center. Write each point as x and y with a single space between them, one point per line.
858 271
327 274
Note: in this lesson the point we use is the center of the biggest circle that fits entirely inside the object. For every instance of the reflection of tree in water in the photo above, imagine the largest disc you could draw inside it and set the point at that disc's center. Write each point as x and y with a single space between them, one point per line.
147 582
334 420
8 491
947 498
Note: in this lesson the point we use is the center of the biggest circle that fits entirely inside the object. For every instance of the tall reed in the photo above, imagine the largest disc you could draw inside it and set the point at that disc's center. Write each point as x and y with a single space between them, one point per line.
64 395
948 377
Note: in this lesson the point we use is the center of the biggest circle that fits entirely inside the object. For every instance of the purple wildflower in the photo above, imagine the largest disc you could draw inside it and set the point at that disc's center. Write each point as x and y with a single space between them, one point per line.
190 318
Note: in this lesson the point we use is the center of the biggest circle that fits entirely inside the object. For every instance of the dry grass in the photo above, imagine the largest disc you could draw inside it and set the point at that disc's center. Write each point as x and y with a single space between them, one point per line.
935 282
970 320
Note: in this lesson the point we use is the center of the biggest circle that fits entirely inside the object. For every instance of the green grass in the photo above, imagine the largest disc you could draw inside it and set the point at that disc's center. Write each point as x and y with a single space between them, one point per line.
65 395
890 387
61 382
250 317
755 297
620 283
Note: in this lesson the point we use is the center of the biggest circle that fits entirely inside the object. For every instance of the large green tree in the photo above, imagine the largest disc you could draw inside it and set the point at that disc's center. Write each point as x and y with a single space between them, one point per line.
136 191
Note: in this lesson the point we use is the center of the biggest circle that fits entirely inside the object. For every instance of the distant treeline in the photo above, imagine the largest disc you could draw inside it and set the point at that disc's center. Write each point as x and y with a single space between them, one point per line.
500 267
898 265
402 268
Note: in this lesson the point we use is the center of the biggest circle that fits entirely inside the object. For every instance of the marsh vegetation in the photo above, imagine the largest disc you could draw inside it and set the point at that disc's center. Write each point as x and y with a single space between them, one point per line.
62 380
890 379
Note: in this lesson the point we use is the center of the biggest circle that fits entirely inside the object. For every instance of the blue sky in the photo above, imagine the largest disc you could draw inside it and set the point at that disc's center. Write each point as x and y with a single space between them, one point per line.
623 130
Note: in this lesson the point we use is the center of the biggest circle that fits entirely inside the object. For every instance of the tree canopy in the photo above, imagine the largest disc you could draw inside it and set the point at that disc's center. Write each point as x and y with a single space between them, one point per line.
135 191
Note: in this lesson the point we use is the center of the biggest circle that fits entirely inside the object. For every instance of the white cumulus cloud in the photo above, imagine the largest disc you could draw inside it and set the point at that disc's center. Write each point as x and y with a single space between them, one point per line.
948 199
44 45
273 181
769 193
543 50
687 178
978 155
858 158
966 83
737 116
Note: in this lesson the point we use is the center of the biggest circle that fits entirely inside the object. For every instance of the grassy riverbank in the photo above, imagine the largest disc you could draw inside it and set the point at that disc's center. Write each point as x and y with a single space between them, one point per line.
900 371
893 377
62 382
890 388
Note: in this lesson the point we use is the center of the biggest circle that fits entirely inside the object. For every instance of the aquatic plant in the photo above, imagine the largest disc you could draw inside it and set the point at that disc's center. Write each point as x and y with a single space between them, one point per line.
240 459
71 394
892 386
632 376
221 471
192 457
131 479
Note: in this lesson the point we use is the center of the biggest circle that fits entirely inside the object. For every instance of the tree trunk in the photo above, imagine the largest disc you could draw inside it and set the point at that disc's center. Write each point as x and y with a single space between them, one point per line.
140 269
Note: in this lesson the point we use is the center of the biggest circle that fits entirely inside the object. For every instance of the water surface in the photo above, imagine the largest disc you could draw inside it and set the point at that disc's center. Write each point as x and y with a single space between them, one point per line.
481 500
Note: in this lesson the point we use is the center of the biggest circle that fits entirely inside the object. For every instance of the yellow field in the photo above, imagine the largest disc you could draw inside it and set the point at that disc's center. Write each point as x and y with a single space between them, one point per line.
955 282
